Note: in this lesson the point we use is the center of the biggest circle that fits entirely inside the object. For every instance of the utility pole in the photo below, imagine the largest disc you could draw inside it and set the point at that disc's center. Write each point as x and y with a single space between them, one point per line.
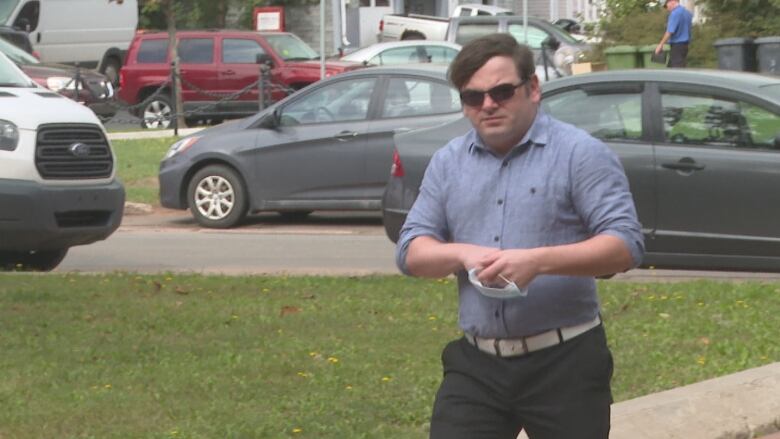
178 104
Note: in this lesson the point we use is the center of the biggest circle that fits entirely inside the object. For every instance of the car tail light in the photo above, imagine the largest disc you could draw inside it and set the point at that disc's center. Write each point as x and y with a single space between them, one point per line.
381 25
397 169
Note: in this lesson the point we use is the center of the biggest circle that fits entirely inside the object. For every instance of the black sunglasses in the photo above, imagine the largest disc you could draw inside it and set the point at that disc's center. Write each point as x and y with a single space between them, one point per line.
499 93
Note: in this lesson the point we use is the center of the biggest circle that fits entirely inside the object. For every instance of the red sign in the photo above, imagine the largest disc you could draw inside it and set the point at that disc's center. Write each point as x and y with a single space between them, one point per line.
268 18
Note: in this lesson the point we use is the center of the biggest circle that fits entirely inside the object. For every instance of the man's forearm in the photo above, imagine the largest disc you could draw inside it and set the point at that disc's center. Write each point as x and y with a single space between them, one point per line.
665 38
600 255
429 257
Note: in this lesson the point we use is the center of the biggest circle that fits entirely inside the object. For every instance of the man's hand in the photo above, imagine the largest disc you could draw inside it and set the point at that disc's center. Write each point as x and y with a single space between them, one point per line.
520 266
659 48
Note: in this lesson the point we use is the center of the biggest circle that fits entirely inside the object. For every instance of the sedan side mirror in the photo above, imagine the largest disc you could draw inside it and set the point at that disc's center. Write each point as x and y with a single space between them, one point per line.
271 121
551 43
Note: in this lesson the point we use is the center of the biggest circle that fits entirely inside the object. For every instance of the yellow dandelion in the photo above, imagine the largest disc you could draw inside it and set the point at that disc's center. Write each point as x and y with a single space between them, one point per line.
348 387
701 361
386 379
297 430
431 317
107 386
303 374
333 360
313 354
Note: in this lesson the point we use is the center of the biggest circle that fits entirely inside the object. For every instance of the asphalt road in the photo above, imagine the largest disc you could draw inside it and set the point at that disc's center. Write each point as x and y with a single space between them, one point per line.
324 243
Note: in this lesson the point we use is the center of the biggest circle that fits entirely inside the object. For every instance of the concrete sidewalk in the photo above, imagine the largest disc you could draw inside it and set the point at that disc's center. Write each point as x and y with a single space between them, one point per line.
151 134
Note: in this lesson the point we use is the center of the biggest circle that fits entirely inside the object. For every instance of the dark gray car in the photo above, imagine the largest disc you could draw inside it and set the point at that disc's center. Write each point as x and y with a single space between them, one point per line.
326 147
701 150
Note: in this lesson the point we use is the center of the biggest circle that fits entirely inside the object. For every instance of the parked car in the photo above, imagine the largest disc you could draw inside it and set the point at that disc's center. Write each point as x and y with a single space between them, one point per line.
215 64
58 187
701 149
405 52
326 147
94 90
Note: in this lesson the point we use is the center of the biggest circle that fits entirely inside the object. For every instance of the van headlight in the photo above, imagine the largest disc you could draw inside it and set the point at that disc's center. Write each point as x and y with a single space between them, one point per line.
181 146
9 135
58 83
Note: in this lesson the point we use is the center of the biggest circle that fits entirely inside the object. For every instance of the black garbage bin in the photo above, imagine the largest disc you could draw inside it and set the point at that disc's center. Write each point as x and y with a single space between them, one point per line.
736 54
768 55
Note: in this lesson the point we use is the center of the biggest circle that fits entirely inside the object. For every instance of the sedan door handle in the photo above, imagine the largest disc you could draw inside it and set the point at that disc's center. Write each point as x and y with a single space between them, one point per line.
401 130
345 135
686 164
229 72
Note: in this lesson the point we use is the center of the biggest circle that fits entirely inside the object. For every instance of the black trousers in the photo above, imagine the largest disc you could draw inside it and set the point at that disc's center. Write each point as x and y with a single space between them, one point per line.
560 392
678 55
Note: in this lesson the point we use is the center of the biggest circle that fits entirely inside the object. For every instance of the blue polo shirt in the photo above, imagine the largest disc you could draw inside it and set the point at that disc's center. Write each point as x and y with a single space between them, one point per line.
558 186
679 25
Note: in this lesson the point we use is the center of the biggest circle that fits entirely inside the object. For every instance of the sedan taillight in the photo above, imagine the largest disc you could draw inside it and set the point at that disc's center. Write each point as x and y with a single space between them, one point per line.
397 169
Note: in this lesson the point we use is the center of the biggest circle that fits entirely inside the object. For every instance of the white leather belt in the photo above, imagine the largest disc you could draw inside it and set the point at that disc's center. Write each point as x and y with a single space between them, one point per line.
512 347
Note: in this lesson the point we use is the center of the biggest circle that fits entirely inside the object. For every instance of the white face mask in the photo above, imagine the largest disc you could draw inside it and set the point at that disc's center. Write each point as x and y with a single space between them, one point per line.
507 291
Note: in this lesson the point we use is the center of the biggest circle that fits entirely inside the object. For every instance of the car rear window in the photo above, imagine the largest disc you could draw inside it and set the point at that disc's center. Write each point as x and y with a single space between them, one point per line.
196 50
153 51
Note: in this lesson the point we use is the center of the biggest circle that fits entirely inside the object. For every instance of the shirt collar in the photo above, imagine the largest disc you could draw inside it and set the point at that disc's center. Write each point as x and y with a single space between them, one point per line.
537 135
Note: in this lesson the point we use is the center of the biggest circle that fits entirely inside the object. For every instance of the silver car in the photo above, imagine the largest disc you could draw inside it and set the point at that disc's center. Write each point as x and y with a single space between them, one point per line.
326 147
405 52
701 149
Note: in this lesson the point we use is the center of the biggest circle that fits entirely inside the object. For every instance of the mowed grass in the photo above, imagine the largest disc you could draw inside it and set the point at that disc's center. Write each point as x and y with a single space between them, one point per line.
138 163
189 356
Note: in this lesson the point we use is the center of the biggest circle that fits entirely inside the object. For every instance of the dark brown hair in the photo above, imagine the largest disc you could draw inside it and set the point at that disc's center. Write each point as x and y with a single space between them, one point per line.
477 52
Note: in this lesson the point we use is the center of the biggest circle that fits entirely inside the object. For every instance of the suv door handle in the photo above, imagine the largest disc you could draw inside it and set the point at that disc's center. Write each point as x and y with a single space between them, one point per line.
686 164
345 135
229 72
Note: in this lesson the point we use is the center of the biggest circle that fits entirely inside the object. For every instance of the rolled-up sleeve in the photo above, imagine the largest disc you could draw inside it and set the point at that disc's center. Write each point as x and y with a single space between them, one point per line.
602 195
427 216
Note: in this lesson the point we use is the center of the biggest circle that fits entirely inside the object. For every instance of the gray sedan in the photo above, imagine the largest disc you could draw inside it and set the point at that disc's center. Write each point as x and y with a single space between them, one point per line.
701 150
326 147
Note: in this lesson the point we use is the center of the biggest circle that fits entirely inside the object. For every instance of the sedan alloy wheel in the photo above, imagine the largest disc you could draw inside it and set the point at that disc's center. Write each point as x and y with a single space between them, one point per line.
216 197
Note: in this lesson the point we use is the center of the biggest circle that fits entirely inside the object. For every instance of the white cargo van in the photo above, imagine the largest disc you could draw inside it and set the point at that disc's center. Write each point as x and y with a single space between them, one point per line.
93 33
58 185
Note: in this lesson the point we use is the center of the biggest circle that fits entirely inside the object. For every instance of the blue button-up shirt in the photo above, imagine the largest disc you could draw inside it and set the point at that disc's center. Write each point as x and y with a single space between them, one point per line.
558 186
679 25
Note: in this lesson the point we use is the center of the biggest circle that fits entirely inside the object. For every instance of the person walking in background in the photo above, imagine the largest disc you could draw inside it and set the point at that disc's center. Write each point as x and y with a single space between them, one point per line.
525 210
678 34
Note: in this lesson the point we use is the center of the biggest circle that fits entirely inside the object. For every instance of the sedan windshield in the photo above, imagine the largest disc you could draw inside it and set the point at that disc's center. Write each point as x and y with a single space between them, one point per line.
11 76
291 48
16 54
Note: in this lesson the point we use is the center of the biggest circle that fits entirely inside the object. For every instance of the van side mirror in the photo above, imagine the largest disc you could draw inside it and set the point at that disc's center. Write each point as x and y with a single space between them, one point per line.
264 58
22 23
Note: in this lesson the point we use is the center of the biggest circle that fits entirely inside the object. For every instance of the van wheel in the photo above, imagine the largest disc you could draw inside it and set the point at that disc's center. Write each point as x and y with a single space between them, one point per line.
157 112
217 197
111 70
43 260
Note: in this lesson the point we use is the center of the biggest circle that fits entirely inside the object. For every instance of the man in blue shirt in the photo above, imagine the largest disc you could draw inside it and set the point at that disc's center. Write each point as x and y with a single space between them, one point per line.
678 34
525 210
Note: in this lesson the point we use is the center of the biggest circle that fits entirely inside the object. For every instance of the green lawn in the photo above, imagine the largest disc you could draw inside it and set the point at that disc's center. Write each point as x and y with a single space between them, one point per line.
138 162
189 356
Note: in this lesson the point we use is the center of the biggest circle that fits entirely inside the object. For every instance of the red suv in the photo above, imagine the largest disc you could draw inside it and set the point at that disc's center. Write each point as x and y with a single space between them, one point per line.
215 64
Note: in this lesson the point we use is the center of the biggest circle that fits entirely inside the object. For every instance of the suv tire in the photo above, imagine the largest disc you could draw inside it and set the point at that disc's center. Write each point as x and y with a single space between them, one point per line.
217 197
157 112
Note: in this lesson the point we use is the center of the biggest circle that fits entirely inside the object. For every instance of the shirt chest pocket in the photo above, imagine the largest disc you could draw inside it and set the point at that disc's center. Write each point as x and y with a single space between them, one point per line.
531 209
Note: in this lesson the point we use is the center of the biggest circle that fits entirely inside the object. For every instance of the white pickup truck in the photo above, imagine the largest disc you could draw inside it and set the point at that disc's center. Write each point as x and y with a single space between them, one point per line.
395 27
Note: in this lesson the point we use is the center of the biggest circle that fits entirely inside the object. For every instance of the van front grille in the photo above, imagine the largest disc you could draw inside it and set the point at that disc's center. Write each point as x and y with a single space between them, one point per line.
72 151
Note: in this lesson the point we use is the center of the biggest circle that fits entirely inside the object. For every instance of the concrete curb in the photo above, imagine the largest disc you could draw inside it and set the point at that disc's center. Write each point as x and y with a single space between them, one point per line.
738 406
151 134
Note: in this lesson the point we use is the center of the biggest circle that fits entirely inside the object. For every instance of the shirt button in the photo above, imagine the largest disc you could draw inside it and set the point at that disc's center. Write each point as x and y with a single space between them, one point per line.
495 238
505 164
500 201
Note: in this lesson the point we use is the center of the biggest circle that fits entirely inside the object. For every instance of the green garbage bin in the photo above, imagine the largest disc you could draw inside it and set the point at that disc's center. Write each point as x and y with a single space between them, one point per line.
647 56
623 57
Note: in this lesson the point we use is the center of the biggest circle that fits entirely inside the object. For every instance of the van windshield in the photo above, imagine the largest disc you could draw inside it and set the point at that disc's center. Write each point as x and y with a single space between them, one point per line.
11 76
291 48
16 54
6 8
